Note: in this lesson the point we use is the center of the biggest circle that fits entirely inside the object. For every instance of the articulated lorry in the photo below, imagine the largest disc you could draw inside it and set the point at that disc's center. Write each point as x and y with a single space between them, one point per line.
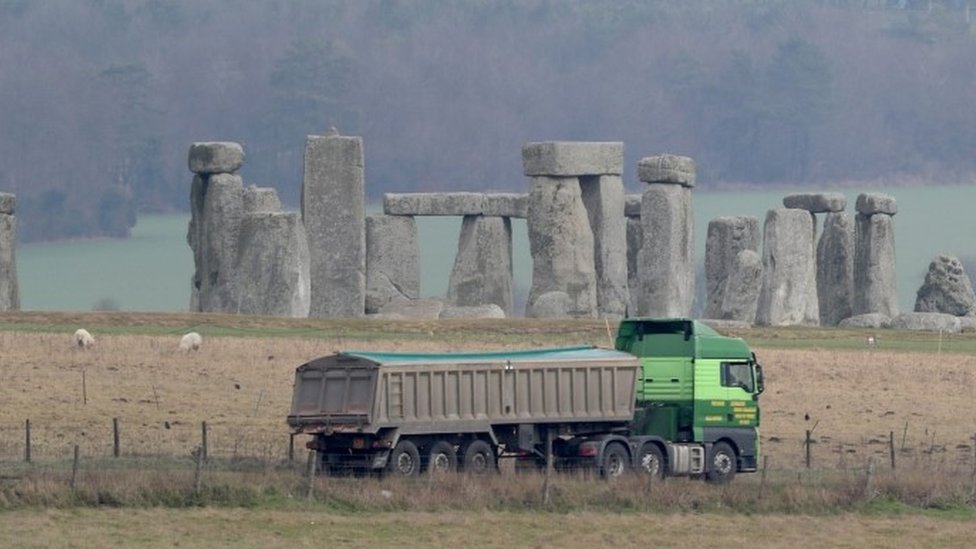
673 398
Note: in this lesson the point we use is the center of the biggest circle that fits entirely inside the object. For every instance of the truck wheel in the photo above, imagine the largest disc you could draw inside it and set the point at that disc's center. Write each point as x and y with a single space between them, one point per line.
478 457
442 458
650 461
721 464
614 461
404 460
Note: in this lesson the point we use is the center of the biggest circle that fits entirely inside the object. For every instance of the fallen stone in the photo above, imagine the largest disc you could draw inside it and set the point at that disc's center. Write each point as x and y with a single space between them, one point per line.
816 202
222 213
561 244
947 289
333 210
8 203
573 158
722 324
875 289
392 261
665 263
385 316
727 236
216 157
788 296
967 324
482 272
932 322
635 239
273 265
603 197
740 295
867 320
261 199
667 168
457 204
479 311
415 309
632 205
876 203
551 305
9 289
835 269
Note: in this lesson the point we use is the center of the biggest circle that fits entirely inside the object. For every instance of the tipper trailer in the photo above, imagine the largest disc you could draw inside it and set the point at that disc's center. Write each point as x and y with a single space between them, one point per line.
673 398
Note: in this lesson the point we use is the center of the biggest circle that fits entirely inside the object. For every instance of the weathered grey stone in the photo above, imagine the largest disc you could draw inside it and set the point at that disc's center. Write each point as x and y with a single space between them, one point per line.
9 290
561 244
273 265
457 204
8 203
215 157
727 236
722 324
603 197
835 269
553 304
967 324
946 289
788 295
933 322
632 205
479 311
573 158
194 238
392 260
867 320
667 168
333 210
222 213
261 199
816 202
740 295
635 239
482 271
876 203
665 262
415 309
875 290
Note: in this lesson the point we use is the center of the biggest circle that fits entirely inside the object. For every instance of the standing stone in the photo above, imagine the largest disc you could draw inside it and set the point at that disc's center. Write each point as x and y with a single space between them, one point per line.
261 199
635 239
665 264
946 289
218 230
482 271
9 291
789 273
875 290
392 260
603 197
333 210
727 236
740 295
273 265
561 243
835 269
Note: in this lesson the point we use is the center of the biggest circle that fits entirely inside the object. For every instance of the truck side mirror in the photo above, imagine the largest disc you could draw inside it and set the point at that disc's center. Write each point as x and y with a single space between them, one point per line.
760 382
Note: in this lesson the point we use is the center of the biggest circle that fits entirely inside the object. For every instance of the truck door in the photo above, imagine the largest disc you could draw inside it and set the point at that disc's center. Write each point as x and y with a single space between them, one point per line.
738 381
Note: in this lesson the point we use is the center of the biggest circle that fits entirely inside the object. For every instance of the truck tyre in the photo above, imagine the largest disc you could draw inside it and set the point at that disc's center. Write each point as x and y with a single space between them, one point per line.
722 464
614 462
442 458
650 461
404 460
478 458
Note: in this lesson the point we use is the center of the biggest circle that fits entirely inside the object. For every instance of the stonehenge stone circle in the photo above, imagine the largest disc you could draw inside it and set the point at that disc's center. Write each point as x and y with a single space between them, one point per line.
457 204
482 273
946 289
816 202
333 211
9 291
667 168
208 158
788 295
665 261
740 295
392 261
273 265
726 237
875 289
933 322
261 199
603 197
573 158
835 269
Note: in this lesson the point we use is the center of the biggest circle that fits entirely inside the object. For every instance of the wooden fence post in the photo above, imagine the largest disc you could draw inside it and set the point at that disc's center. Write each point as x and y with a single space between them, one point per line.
27 442
867 478
310 473
291 447
115 437
891 448
74 468
84 388
197 469
204 453
545 485
762 477
806 443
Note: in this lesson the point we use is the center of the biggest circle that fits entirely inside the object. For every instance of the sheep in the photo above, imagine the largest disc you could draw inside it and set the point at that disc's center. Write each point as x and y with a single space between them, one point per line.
83 339
190 342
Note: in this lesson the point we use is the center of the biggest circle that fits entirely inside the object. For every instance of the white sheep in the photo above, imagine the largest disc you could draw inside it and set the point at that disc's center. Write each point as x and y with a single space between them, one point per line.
191 342
83 339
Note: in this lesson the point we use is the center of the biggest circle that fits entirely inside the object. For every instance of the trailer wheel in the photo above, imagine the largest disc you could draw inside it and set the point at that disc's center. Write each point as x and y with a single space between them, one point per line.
614 461
404 460
650 461
479 458
442 458
721 464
